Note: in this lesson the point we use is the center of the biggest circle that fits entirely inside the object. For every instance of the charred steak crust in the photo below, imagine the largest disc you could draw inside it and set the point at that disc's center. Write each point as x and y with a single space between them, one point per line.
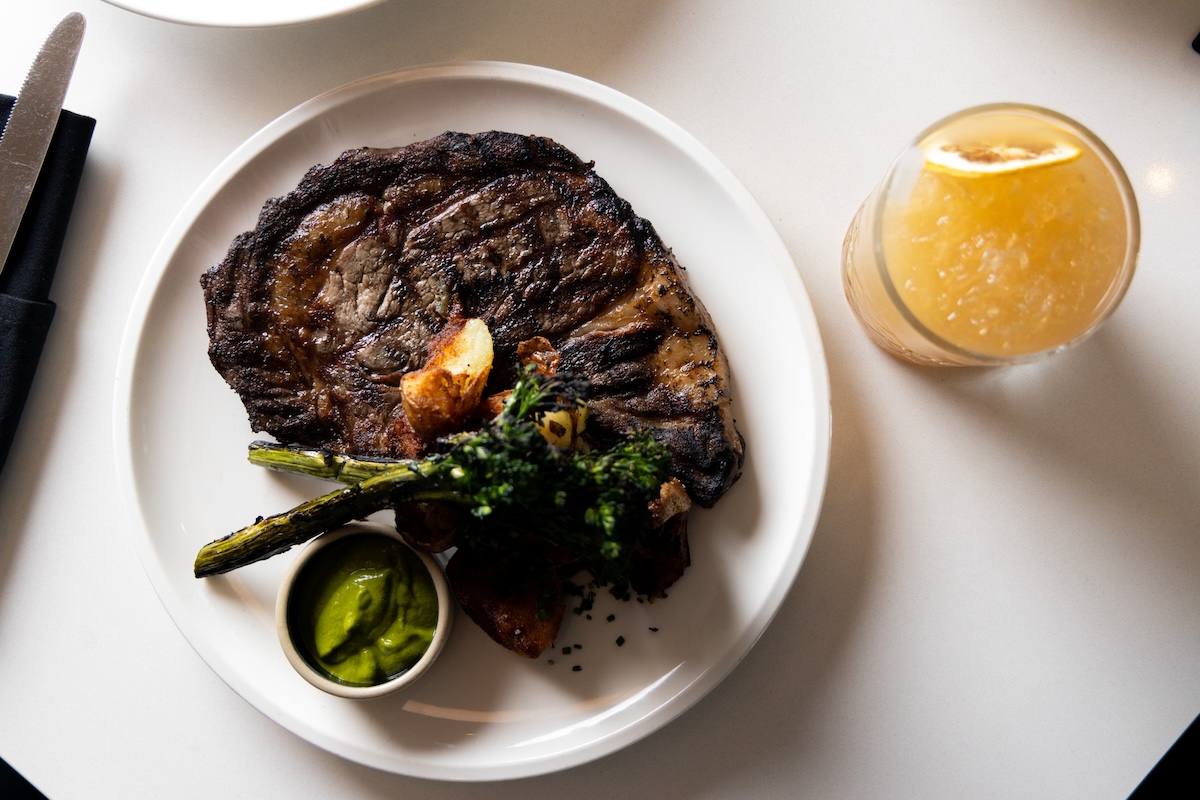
315 314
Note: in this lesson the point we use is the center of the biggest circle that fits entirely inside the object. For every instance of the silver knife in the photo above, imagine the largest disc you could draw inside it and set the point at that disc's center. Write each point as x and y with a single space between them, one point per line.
31 124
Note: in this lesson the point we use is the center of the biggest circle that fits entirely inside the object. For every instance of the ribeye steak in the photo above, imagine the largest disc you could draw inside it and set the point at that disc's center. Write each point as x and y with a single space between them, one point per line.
315 314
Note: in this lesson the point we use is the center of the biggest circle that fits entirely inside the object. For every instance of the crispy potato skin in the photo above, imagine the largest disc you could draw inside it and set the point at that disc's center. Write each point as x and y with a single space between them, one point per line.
443 395
519 607
434 401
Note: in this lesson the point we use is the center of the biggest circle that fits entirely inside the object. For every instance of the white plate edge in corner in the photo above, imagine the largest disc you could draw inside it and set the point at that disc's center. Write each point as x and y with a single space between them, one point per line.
242 13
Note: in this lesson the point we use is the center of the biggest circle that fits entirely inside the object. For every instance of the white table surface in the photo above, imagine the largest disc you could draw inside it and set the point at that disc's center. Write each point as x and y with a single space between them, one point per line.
1000 599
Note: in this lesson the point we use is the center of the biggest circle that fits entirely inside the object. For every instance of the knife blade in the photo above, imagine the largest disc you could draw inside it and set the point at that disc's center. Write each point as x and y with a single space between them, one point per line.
32 121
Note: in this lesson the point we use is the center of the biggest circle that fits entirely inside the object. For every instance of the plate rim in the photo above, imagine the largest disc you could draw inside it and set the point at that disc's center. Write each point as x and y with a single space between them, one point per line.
541 77
268 18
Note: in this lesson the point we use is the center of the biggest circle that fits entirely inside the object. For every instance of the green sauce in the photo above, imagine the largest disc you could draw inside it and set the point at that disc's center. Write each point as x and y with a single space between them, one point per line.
364 609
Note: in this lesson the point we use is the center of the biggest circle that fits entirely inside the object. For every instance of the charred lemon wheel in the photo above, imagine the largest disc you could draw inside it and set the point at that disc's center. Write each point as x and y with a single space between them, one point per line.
977 160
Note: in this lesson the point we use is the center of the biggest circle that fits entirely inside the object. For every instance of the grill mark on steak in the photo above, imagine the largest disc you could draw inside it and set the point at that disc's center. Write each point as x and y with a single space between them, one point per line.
315 314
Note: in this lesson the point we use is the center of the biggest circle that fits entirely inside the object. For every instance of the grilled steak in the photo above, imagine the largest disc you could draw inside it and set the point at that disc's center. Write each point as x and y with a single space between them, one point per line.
315 314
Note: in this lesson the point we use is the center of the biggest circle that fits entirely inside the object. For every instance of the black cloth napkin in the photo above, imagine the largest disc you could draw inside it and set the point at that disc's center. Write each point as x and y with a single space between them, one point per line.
13 785
25 307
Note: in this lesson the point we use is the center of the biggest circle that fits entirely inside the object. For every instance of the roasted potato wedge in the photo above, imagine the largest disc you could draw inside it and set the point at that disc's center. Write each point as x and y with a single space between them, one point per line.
563 428
520 607
442 396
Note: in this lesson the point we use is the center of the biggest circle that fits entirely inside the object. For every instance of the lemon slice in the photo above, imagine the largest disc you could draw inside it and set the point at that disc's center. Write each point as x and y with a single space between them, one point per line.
973 160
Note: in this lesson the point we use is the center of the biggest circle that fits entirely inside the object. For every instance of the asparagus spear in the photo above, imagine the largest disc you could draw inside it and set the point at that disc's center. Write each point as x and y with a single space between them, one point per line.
319 463
273 535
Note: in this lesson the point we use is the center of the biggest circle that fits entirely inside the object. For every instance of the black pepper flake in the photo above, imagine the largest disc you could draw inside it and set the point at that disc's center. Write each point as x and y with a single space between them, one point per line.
620 641
576 668
611 617
566 651
654 630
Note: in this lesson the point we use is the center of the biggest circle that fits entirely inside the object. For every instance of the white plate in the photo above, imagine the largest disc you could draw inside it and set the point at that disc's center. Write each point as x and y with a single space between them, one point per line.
483 713
242 13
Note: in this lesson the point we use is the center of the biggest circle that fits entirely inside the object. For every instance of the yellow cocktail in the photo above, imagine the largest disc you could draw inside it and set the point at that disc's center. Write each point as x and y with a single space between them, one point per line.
1001 234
